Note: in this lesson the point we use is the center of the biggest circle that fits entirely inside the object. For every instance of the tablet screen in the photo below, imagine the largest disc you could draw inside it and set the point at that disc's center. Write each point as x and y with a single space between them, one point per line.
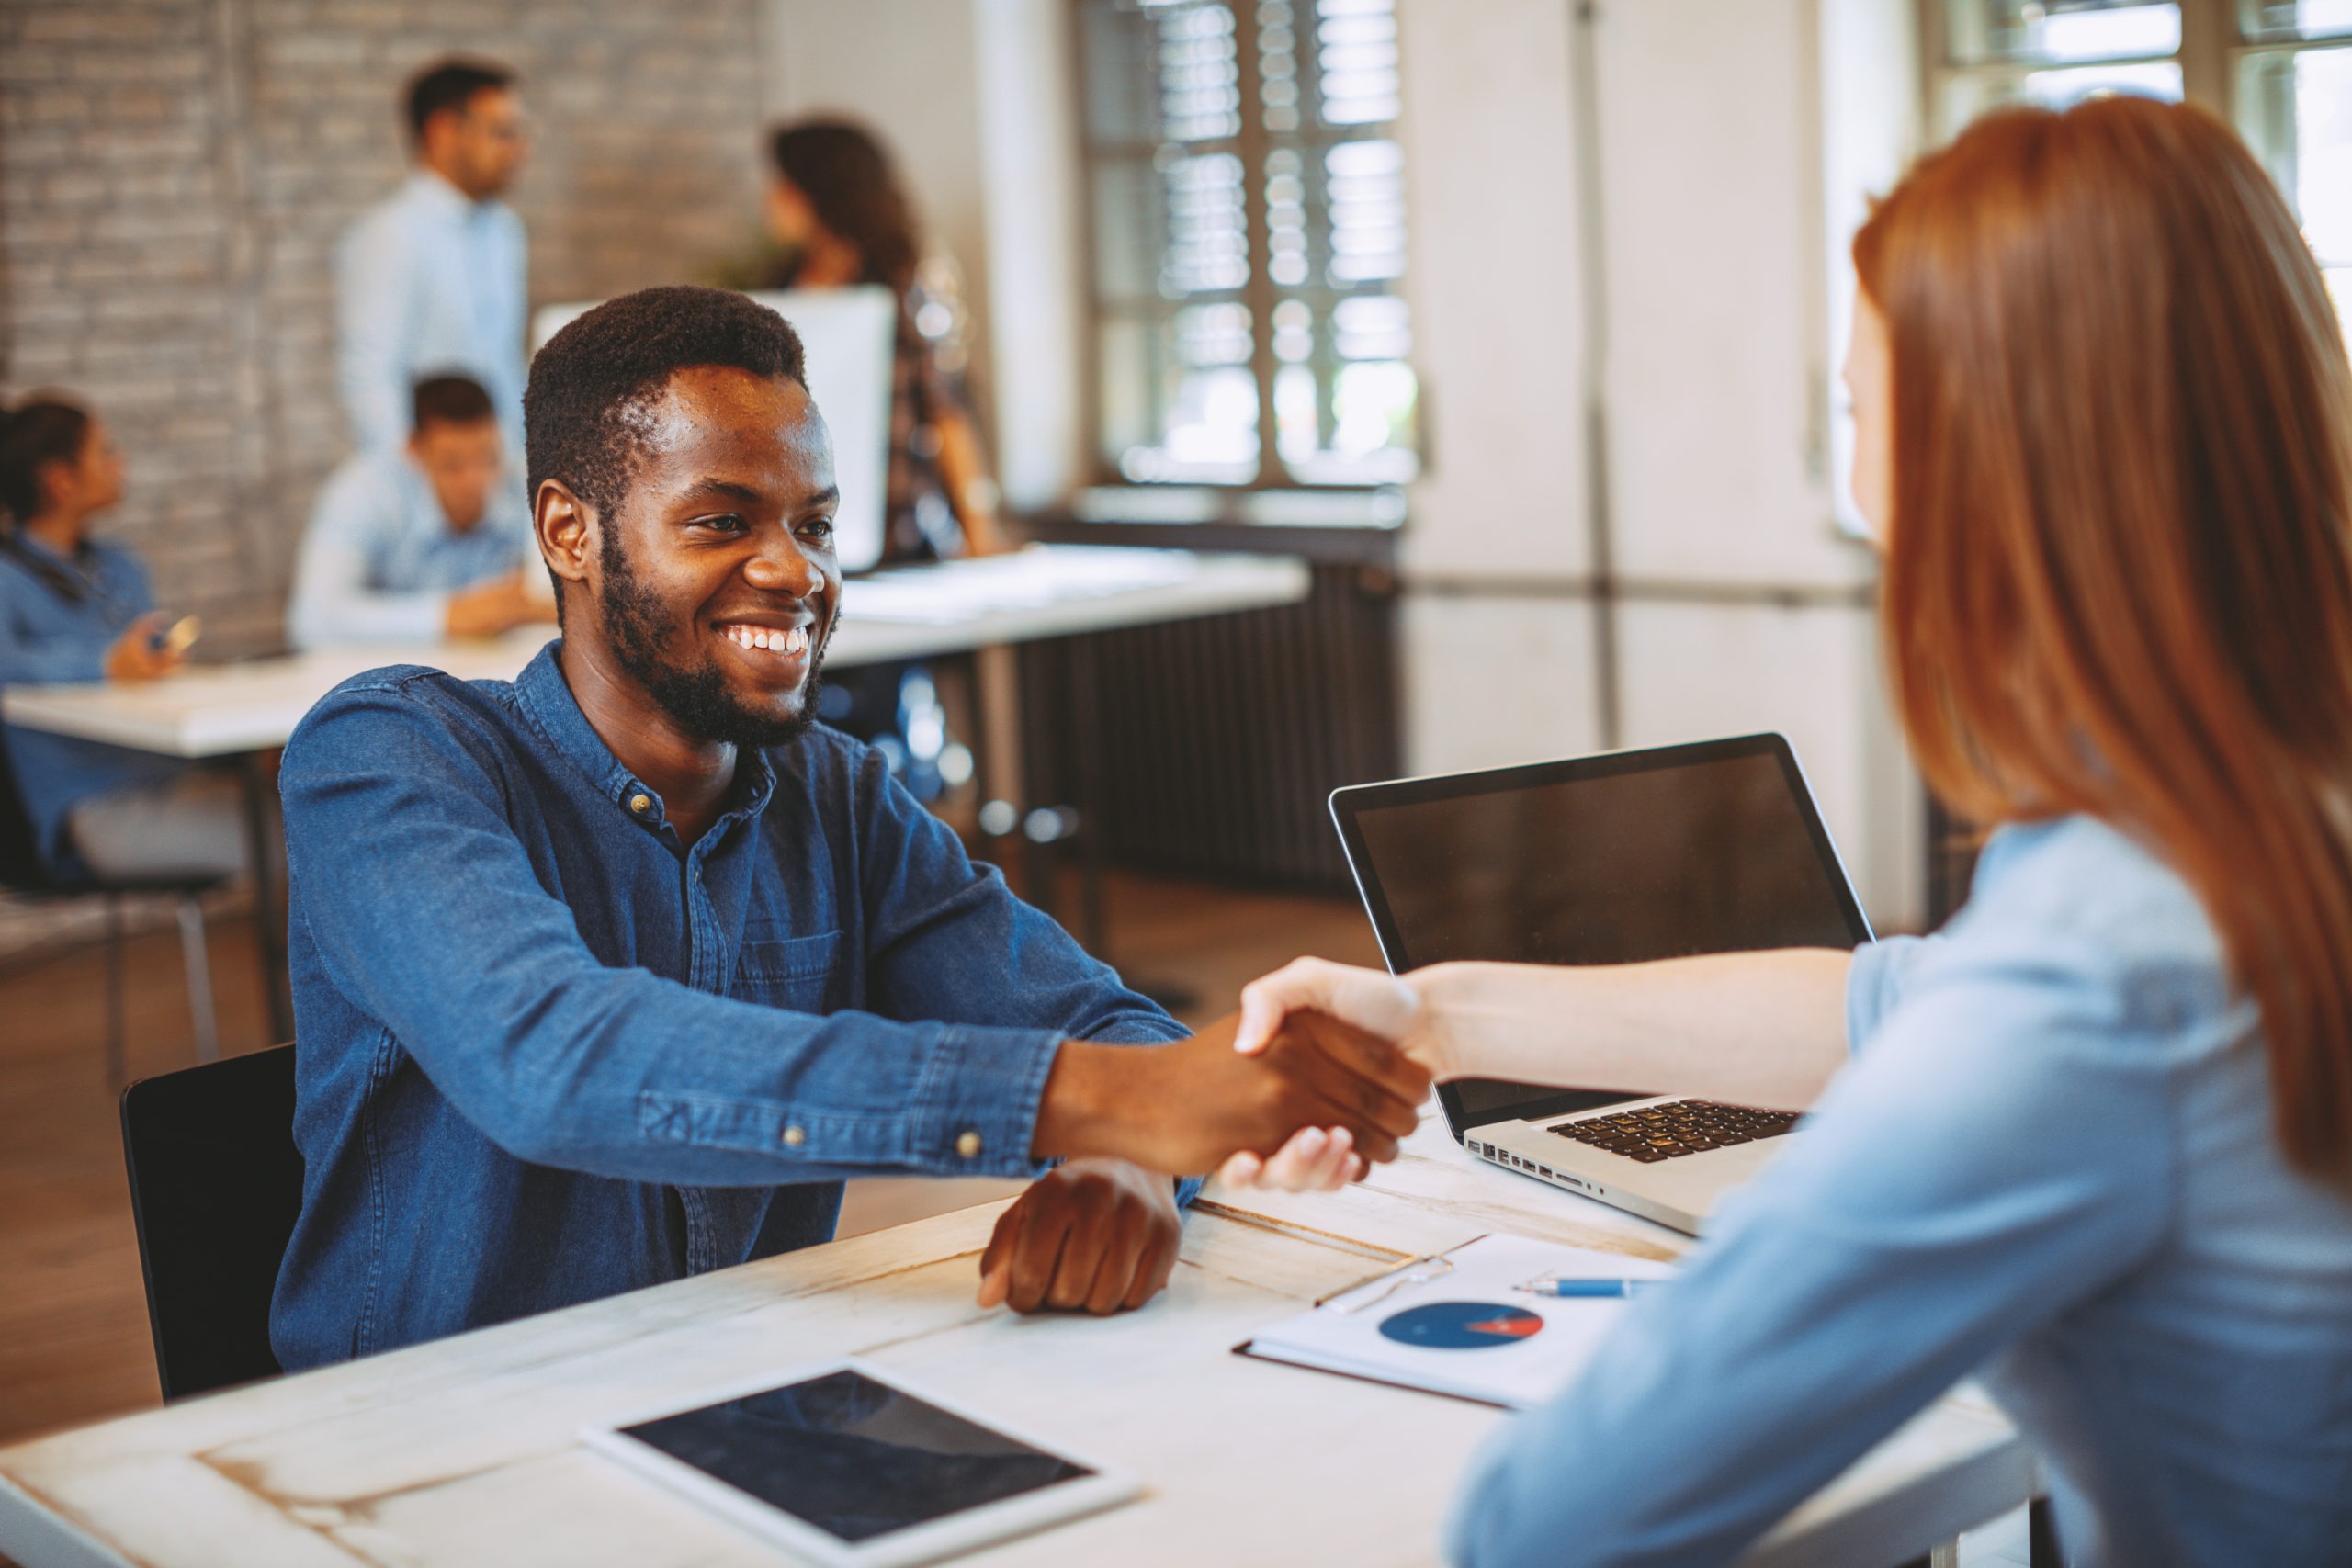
853 1457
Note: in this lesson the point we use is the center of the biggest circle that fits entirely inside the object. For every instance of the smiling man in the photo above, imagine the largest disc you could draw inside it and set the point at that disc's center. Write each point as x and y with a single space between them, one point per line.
611 975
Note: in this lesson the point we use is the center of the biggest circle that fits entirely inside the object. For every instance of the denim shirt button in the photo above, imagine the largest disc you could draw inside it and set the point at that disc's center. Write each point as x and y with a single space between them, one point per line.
640 803
969 1146
795 1136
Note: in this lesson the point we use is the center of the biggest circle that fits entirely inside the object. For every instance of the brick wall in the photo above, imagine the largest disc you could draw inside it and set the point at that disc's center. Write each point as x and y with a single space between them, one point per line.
173 175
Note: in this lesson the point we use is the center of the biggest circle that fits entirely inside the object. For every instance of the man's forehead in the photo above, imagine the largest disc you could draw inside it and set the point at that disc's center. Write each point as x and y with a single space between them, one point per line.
705 413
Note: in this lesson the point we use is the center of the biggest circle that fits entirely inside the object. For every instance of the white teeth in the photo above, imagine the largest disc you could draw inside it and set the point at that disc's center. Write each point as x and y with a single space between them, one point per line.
795 640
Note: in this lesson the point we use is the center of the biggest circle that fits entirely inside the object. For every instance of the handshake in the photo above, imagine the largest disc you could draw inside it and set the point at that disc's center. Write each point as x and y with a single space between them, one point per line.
1323 1069
1312 1079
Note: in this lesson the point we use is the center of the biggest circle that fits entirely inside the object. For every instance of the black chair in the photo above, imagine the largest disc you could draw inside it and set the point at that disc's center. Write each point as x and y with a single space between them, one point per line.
22 873
215 1186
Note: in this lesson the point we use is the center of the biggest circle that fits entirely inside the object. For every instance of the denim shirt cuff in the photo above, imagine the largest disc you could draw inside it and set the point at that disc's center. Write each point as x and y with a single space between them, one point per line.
976 1104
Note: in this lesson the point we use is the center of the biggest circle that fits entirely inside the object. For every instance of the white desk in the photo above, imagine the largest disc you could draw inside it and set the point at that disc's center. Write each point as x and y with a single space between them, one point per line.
463 1451
1045 591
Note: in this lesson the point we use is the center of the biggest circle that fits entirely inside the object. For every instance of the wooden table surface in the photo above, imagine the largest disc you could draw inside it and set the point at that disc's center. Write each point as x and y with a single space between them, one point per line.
466 1452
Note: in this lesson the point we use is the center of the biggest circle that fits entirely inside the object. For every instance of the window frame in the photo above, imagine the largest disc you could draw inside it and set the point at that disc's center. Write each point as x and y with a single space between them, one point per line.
1260 293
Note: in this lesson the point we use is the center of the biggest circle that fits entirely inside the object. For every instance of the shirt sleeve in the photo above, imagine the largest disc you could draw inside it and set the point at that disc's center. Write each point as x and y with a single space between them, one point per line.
332 602
1874 983
27 659
427 915
1947 1196
374 283
946 932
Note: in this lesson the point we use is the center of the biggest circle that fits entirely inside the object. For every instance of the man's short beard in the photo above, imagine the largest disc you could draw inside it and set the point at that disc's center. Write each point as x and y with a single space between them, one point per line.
696 697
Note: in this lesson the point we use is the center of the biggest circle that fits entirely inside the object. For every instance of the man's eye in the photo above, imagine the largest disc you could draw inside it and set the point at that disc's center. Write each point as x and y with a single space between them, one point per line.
727 524
818 528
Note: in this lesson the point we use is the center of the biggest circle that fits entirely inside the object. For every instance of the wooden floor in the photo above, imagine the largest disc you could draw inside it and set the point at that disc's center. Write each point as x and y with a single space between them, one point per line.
73 1341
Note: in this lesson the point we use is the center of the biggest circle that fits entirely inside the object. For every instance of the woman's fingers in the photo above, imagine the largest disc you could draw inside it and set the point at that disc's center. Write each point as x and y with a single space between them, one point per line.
1377 1003
1314 1160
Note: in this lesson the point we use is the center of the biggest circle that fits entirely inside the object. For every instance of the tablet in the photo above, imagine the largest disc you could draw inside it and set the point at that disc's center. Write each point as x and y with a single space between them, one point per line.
853 1470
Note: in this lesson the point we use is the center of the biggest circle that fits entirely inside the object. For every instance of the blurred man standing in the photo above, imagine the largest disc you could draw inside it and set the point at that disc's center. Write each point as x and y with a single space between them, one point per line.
432 281
426 541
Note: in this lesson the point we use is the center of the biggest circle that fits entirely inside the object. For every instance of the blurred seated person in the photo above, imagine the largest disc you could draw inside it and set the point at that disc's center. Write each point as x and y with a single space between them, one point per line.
428 540
77 609
840 217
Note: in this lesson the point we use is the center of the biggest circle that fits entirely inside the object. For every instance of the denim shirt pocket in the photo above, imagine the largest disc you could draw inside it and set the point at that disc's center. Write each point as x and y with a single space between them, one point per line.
793 972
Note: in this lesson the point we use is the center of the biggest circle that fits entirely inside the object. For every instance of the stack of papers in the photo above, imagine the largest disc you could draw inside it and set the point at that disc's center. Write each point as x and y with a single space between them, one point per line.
1460 1327
953 591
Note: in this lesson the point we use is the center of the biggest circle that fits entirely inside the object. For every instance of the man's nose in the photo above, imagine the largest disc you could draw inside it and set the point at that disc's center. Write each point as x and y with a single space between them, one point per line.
781 568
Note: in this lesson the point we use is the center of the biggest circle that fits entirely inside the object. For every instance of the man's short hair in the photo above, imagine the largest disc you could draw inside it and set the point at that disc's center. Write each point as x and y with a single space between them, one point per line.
452 399
592 376
450 84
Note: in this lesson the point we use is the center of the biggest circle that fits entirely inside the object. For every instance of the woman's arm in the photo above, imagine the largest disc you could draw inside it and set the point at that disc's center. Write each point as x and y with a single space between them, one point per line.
1753 1028
965 474
1765 1029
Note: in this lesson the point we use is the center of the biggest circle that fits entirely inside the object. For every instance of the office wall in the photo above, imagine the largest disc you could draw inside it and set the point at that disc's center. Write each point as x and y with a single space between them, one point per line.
1677 347
173 173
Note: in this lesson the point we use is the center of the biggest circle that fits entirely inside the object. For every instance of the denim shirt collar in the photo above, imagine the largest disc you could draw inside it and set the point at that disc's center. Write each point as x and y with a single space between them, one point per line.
546 699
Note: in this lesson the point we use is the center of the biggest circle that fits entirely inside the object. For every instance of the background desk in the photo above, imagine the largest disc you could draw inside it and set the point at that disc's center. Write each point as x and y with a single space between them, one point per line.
1047 590
464 1451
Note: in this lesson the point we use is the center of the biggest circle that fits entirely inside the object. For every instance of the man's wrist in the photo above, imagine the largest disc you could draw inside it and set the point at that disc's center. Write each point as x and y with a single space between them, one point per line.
1078 1114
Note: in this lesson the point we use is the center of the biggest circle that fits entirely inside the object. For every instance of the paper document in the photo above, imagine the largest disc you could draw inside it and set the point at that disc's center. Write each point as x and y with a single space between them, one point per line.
1455 1325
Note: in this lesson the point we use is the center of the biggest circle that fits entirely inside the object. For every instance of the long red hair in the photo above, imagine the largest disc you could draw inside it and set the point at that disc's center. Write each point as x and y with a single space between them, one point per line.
2118 576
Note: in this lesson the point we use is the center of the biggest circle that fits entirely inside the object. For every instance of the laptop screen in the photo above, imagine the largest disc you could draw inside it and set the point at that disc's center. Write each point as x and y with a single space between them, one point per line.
1712 848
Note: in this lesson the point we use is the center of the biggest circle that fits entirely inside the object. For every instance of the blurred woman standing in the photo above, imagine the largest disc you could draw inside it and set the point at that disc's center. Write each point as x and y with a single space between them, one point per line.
72 609
835 207
837 211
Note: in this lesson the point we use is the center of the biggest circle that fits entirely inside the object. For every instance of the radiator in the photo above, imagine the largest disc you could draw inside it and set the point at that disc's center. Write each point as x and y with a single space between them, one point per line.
1208 747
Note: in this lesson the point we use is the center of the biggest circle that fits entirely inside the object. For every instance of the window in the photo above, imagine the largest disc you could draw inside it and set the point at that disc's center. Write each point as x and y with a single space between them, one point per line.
2294 104
2280 69
2054 52
1247 203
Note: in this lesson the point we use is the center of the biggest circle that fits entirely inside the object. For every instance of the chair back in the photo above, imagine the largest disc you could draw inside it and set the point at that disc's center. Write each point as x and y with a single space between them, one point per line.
20 863
216 1184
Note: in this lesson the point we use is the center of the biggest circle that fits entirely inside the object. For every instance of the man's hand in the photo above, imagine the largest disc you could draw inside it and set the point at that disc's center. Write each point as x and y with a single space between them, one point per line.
136 657
1094 1234
494 608
1186 1107
1321 1159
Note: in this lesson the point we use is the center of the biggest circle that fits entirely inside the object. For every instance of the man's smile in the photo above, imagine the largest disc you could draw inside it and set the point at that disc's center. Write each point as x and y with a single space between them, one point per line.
775 646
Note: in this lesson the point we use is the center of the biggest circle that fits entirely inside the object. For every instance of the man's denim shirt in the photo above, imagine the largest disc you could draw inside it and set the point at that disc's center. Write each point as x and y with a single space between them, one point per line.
547 1053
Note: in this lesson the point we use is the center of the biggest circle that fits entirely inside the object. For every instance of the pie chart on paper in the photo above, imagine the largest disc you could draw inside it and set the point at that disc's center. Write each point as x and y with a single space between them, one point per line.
1461 1325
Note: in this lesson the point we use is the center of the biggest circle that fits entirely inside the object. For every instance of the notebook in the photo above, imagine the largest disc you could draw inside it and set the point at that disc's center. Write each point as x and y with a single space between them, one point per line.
1455 1324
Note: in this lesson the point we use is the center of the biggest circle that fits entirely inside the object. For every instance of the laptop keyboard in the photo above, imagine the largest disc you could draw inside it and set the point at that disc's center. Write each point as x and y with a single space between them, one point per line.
1683 1127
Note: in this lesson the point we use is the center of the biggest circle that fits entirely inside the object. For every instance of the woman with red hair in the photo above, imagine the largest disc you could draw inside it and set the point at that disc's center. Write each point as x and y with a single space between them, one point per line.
2093 1142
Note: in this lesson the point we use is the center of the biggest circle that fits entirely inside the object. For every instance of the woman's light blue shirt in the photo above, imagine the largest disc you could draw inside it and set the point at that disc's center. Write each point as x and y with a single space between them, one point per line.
2051 1163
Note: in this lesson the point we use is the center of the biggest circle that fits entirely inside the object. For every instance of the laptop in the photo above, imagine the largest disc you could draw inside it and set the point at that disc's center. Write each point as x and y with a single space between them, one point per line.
1713 847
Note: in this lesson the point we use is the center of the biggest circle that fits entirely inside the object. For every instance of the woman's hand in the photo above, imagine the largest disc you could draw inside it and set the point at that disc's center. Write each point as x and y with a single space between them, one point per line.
1318 1159
135 655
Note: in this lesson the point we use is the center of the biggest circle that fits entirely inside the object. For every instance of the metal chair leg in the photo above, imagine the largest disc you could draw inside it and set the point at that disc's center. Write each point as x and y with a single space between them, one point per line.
199 964
115 1070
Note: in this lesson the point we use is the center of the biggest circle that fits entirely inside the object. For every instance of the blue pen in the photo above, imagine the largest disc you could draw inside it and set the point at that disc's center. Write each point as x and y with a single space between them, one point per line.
1587 1288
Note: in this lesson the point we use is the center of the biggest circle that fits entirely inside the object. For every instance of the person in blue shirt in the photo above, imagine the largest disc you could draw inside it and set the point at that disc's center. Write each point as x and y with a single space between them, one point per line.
2093 1141
74 608
611 975
422 543
432 281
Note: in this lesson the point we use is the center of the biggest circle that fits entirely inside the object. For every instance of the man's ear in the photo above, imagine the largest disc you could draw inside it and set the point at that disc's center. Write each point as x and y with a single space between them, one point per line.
566 526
